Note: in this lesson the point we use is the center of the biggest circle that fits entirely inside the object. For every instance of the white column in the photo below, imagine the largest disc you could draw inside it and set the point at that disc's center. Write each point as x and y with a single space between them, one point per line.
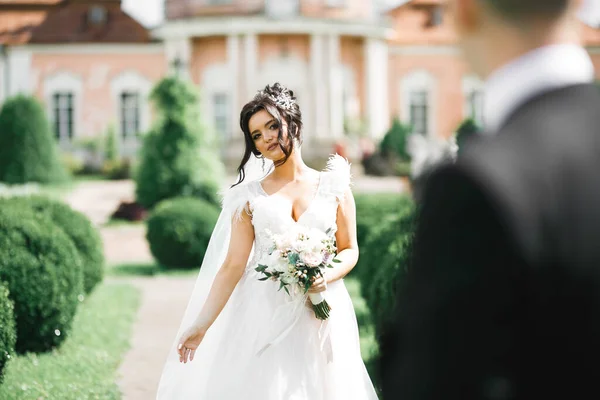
250 65
233 61
179 49
19 66
336 94
319 88
377 99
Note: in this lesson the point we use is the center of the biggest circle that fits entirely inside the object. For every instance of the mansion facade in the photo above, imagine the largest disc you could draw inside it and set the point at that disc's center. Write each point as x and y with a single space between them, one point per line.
353 67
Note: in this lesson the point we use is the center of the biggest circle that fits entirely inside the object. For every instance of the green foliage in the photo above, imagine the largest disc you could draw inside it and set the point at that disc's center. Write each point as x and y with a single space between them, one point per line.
372 210
179 230
389 250
394 142
43 272
8 333
179 155
78 228
28 151
111 149
85 366
384 229
467 129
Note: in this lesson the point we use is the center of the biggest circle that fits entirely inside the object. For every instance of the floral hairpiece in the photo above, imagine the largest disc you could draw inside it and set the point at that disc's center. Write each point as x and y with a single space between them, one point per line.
283 99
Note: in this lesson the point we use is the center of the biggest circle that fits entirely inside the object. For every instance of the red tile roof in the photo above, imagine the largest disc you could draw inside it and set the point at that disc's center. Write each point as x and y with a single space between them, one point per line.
66 21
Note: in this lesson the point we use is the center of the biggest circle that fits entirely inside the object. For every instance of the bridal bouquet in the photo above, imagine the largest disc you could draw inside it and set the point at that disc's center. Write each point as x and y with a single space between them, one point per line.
297 257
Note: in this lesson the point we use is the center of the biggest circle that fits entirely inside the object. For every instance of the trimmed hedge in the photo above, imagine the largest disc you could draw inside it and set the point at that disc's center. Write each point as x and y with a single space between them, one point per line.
28 150
43 272
389 250
371 211
8 333
77 226
179 231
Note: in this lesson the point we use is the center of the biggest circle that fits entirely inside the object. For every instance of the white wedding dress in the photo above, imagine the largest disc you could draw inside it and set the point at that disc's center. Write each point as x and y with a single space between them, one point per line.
266 345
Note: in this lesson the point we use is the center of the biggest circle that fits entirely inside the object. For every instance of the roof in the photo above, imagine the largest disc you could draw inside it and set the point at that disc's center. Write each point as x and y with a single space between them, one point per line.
29 2
66 21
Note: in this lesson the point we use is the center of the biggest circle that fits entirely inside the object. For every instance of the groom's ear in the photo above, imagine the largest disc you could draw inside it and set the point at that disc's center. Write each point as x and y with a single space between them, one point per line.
468 15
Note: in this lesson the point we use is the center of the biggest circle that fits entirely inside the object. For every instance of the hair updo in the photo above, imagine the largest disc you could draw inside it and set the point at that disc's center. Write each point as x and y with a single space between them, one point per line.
281 103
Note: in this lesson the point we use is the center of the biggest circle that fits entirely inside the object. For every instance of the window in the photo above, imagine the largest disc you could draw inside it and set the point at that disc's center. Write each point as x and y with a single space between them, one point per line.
221 114
97 15
436 16
130 114
63 111
419 112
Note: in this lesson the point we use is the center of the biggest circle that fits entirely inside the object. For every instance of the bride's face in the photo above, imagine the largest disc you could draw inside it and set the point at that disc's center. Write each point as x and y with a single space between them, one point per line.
264 130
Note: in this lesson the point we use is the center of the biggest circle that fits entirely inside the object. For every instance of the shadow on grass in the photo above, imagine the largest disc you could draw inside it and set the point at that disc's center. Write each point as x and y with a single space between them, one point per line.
148 269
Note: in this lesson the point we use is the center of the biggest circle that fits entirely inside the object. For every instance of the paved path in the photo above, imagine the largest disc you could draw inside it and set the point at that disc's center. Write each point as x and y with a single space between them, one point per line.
163 298
163 303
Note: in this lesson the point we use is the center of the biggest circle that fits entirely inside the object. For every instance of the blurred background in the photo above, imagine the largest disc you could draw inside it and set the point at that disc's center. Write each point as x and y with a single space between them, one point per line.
119 127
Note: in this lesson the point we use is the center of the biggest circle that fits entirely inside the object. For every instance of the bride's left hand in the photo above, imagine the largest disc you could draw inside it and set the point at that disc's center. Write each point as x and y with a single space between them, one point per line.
319 285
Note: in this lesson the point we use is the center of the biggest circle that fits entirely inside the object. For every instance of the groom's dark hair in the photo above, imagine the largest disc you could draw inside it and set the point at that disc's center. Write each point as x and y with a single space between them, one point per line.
520 10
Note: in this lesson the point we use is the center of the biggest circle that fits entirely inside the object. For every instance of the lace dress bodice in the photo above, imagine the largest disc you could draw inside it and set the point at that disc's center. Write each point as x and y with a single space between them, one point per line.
274 214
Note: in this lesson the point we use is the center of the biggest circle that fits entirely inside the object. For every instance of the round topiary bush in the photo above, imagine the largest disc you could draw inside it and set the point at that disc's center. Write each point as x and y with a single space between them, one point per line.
8 333
77 226
28 150
43 272
179 230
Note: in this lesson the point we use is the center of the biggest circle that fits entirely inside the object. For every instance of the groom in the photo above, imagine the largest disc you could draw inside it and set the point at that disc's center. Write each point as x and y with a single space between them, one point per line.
502 299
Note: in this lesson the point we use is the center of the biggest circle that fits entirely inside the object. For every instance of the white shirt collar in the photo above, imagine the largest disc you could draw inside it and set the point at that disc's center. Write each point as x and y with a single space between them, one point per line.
540 70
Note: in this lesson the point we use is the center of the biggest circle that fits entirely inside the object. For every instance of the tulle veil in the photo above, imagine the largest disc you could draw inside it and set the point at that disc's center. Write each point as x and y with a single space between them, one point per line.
184 381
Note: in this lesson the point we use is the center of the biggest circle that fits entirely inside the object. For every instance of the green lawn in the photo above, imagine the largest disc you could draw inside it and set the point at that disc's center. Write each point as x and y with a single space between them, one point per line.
85 366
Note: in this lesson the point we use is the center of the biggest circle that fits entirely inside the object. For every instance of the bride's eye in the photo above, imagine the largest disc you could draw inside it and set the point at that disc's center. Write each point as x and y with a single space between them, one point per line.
256 137
274 127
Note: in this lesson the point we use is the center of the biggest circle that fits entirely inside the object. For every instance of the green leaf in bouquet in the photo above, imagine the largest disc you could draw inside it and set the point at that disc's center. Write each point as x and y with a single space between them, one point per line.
281 285
335 260
286 290
261 268
307 286
263 279
293 258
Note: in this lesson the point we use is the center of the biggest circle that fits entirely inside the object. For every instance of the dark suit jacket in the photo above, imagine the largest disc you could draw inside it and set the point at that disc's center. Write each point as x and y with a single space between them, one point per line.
502 300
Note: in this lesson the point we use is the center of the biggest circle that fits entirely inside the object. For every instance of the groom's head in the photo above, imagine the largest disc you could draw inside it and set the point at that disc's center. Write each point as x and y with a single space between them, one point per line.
492 30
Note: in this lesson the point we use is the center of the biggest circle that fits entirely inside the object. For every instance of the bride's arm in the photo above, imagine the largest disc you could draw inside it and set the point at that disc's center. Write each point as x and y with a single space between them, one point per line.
240 245
230 273
347 243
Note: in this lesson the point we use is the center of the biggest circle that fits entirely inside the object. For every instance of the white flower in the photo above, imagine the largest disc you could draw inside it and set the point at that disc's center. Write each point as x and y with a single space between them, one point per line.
288 279
312 259
276 263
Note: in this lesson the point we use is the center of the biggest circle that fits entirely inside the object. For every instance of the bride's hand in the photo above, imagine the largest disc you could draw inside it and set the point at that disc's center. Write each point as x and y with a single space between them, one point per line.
318 285
189 342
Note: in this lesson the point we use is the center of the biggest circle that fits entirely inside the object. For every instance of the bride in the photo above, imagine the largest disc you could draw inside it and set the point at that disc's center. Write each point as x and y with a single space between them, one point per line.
241 338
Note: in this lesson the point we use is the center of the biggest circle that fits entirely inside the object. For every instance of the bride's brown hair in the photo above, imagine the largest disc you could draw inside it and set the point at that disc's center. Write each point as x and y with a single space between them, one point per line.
281 103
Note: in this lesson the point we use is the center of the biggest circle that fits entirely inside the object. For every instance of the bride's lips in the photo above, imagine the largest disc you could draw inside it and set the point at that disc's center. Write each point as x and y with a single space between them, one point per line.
273 146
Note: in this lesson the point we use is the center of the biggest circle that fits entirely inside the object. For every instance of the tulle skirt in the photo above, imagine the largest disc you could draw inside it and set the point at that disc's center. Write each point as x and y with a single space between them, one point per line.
267 345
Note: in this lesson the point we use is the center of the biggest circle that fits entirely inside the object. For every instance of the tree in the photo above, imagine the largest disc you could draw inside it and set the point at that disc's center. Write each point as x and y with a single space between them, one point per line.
394 142
179 155
28 150
467 129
